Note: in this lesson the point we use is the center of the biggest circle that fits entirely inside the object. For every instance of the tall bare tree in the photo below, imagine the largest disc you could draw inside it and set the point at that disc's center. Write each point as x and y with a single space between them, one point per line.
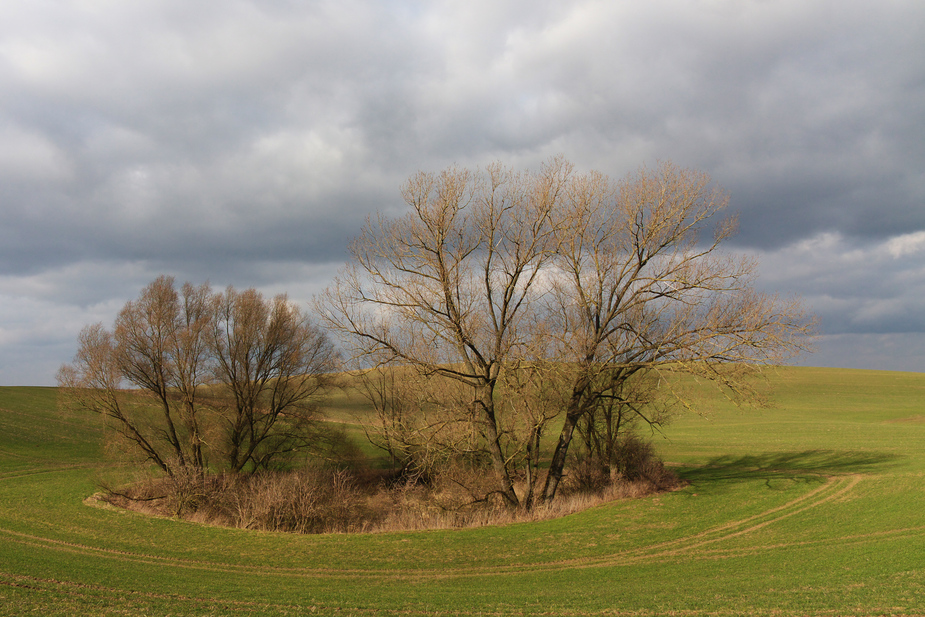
636 288
447 287
270 363
595 280
159 346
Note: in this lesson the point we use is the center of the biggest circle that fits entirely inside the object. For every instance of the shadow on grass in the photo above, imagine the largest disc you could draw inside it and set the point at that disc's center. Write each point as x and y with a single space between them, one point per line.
778 465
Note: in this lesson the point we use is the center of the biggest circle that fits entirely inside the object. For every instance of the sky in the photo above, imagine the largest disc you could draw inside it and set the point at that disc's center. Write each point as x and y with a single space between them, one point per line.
245 142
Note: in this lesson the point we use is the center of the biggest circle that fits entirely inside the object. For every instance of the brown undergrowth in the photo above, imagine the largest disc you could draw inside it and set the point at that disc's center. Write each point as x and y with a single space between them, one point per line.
324 500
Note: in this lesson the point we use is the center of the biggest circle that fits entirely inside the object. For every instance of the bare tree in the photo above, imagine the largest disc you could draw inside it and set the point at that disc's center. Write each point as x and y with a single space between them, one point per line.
417 421
94 382
446 288
635 289
270 363
531 394
165 373
595 282
159 346
609 430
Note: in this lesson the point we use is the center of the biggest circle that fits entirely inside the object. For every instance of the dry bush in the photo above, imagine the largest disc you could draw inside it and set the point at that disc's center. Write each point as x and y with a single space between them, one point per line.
460 496
306 501
176 495
457 495
324 500
633 463
419 508
311 500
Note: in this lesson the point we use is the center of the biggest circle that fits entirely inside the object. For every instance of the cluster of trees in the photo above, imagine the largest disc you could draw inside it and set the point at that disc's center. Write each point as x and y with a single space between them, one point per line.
229 380
503 309
523 301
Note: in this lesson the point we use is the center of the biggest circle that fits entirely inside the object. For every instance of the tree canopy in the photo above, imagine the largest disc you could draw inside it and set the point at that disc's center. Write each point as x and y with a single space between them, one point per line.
556 294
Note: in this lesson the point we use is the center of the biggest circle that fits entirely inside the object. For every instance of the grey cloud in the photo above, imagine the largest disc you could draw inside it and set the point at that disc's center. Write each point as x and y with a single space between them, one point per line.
853 286
887 352
244 143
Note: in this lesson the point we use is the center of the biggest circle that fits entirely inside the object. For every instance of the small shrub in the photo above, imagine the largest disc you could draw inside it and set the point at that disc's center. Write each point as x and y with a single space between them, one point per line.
633 461
304 501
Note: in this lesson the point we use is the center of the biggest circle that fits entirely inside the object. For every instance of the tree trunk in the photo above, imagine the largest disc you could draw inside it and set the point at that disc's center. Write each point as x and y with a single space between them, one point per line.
576 409
557 465
485 402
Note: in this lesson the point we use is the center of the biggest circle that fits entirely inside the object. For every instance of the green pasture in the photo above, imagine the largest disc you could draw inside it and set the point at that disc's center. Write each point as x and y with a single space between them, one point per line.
814 506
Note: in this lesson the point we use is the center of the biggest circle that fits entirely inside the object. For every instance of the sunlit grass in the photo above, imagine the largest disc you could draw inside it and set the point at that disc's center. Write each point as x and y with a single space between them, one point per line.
811 506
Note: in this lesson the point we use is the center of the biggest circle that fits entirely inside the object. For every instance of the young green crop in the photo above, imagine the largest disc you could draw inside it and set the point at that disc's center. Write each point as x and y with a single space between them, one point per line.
810 507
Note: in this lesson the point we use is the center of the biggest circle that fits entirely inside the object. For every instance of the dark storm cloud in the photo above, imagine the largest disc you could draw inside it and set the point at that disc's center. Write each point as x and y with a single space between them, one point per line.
245 142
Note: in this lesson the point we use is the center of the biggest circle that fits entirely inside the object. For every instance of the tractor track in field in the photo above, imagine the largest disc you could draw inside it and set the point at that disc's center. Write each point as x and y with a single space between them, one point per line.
833 488
706 544
35 471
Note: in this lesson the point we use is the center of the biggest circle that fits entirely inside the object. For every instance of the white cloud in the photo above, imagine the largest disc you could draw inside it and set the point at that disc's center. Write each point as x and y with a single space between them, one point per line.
906 244
38 335
41 315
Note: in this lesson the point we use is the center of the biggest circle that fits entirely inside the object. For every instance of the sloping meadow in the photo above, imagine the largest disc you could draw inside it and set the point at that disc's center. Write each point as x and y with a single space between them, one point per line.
812 506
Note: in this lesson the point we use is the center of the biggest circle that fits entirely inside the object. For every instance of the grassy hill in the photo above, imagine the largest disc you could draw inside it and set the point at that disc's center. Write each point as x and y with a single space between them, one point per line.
815 506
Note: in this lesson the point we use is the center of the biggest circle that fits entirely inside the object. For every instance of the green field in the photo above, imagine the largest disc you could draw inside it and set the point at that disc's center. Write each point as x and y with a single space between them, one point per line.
815 506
